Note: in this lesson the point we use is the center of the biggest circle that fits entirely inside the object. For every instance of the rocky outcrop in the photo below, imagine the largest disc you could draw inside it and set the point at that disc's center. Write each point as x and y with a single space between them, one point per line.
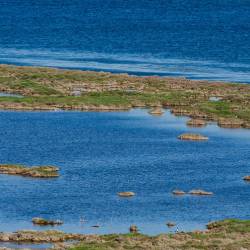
199 192
178 192
35 172
193 137
230 123
246 178
44 222
196 123
126 194
48 236
181 112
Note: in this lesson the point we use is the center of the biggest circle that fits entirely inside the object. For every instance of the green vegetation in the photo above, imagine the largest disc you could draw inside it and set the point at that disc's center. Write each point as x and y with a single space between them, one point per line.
47 88
228 235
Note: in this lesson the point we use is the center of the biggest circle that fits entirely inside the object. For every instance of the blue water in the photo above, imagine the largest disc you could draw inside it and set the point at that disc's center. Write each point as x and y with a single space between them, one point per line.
101 154
192 38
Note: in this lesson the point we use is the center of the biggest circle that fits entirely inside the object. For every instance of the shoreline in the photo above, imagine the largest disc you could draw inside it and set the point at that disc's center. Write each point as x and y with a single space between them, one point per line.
225 234
50 89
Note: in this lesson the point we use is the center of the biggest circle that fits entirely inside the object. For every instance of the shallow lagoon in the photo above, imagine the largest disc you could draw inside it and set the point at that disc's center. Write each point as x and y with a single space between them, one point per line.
101 154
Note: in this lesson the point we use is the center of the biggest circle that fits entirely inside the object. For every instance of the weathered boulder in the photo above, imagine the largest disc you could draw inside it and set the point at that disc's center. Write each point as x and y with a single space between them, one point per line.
126 194
193 137
44 222
199 192
178 192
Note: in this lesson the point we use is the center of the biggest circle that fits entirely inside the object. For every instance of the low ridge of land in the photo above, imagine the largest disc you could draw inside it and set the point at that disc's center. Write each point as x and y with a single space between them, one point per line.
52 89
229 234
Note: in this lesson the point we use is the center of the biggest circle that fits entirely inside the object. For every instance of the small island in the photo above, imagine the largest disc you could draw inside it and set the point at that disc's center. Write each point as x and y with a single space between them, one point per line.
34 172
193 137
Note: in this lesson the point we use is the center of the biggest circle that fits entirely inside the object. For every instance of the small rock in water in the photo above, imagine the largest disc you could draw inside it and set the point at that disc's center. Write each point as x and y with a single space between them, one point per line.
126 194
170 224
44 222
200 192
133 229
178 192
193 137
246 178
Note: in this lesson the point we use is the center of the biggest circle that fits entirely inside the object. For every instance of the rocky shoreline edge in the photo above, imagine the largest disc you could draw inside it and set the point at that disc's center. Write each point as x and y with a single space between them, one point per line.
48 89
225 234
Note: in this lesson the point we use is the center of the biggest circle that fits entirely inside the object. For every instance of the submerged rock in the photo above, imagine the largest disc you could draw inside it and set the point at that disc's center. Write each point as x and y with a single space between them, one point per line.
193 137
126 194
156 111
133 229
178 192
35 172
44 222
200 192
196 123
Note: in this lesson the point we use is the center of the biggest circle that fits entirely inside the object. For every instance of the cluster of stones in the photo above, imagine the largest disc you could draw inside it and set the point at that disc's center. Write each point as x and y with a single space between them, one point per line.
35 172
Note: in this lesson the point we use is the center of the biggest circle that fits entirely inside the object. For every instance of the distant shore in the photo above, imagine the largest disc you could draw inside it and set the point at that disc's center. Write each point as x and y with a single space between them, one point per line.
56 89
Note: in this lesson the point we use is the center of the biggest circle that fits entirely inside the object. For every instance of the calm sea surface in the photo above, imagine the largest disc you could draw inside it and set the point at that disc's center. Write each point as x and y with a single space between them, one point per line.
101 154
192 38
